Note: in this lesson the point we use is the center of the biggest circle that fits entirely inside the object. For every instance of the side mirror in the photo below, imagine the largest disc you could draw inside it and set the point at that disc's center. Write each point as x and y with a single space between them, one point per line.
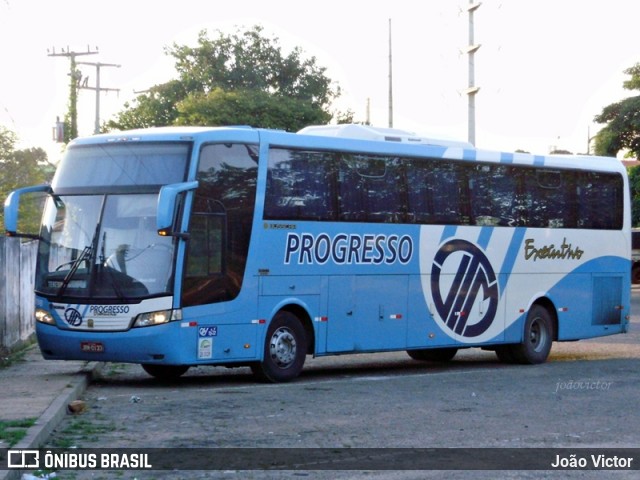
167 201
12 209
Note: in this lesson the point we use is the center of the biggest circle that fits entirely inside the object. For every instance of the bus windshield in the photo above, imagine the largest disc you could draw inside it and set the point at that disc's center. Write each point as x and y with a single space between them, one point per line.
98 234
103 246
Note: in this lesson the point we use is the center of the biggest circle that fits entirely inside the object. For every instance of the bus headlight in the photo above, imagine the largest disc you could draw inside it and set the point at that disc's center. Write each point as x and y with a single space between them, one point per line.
157 318
43 316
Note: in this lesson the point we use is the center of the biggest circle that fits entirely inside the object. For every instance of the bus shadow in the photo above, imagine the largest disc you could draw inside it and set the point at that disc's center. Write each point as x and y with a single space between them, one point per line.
316 369
346 367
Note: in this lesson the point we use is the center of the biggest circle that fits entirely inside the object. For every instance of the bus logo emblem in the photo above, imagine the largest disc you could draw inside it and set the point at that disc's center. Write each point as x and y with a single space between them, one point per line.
73 317
474 273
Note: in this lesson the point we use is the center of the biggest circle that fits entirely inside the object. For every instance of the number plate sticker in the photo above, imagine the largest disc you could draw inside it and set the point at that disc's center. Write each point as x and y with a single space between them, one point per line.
208 331
92 347
205 342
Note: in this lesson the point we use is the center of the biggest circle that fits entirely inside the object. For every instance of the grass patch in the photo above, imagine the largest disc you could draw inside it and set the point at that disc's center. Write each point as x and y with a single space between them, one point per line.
79 431
11 358
12 431
115 369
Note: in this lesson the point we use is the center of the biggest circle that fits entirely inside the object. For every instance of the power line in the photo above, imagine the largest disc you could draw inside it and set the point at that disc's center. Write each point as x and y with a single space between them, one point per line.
75 77
98 89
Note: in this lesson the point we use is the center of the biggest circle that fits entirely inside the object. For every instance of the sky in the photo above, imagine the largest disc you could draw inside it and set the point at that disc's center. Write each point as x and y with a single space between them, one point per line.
545 68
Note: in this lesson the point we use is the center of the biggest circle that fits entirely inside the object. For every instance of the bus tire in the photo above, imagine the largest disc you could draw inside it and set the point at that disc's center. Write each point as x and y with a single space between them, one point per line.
635 273
433 354
505 353
285 350
538 337
165 372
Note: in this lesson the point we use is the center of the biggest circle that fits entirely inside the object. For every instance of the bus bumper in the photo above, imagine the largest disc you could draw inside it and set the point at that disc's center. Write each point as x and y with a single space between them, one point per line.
156 344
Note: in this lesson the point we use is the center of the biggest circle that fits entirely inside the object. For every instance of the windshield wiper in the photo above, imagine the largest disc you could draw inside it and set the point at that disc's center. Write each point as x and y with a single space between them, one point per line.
72 271
87 253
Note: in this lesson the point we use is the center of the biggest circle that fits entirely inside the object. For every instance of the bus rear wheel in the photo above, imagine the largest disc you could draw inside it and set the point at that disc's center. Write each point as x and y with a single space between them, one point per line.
285 349
433 354
537 340
165 372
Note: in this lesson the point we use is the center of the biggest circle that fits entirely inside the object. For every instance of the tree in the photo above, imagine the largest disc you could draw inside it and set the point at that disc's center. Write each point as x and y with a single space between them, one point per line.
622 129
241 78
21 168
247 107
155 108
634 184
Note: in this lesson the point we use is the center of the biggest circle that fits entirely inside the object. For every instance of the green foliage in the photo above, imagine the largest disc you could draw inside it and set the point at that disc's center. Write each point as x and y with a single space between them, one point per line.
634 185
241 78
243 107
634 82
622 119
7 143
154 108
22 168
606 143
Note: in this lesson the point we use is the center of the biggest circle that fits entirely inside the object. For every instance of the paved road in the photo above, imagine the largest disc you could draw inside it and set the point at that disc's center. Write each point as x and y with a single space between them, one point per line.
585 396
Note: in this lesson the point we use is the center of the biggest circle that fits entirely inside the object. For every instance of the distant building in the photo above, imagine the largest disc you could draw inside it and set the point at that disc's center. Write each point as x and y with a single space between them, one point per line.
631 163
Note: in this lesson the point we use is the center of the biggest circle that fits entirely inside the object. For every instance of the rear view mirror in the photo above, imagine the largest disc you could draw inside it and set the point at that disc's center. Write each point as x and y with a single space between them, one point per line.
22 215
167 202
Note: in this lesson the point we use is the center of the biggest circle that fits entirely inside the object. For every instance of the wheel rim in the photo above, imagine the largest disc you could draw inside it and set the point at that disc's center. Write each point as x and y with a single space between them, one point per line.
283 347
538 335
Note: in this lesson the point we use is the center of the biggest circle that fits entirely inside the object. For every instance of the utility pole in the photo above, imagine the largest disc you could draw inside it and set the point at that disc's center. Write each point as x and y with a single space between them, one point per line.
472 90
75 75
390 80
98 89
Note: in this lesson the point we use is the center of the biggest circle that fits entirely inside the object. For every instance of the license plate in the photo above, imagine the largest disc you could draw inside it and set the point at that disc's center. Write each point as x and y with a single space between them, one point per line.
92 347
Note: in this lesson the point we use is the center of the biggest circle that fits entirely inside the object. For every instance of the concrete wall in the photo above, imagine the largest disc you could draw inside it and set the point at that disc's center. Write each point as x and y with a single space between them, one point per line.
17 271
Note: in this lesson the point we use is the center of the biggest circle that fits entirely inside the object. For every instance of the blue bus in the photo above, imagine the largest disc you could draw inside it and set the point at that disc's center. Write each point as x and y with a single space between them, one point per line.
176 247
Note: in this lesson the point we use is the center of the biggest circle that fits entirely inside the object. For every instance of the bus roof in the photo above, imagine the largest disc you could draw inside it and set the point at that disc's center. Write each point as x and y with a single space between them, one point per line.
385 140
365 132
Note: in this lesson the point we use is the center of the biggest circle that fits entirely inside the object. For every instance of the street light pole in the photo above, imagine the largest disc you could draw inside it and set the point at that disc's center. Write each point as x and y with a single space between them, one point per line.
472 90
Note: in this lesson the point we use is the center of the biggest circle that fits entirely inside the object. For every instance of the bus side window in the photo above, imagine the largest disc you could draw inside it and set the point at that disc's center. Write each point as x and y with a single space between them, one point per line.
494 198
299 185
220 223
599 200
434 193
369 189
551 201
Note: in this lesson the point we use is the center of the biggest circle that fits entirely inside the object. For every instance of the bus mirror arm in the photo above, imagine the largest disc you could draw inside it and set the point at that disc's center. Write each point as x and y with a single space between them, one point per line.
167 202
12 207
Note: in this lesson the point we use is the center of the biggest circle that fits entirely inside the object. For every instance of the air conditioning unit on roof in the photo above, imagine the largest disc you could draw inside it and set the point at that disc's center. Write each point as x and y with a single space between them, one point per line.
365 132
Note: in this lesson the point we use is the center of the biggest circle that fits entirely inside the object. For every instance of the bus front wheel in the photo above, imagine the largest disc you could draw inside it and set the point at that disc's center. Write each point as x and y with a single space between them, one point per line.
537 340
285 350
